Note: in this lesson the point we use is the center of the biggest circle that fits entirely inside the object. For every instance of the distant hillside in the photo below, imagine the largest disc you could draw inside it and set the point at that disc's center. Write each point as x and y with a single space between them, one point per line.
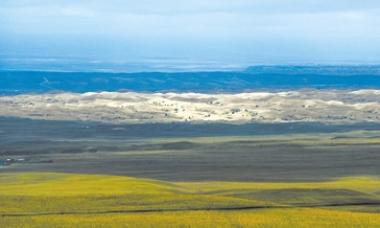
254 78
332 70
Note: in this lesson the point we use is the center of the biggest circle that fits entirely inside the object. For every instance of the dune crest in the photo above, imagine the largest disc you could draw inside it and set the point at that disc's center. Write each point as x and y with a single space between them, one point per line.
130 107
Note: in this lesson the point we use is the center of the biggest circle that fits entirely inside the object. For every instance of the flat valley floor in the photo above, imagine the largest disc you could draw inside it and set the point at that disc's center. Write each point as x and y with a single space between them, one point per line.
86 174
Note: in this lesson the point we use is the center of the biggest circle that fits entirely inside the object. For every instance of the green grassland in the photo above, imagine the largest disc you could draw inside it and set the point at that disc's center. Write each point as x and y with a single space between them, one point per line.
358 137
257 158
78 200
292 180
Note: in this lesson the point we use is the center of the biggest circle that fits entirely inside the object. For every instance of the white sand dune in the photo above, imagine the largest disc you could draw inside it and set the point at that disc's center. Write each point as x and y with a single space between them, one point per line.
289 106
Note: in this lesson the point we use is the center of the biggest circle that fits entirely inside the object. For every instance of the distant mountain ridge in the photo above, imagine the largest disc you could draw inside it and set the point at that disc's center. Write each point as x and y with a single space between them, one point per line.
335 70
252 79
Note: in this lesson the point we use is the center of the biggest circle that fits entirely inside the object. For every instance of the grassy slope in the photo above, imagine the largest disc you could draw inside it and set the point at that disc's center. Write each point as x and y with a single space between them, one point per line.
309 218
358 137
54 200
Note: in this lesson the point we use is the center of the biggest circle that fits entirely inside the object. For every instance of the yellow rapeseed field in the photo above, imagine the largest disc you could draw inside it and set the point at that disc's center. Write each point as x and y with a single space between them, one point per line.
77 200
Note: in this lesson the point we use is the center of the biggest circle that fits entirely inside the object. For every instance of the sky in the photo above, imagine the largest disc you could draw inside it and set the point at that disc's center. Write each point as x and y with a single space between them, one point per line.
244 32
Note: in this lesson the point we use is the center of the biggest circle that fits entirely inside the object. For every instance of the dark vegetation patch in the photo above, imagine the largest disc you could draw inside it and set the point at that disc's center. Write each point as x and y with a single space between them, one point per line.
299 197
181 145
82 147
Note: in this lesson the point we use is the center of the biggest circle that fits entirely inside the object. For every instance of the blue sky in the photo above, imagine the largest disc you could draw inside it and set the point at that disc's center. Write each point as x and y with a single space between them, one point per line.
221 31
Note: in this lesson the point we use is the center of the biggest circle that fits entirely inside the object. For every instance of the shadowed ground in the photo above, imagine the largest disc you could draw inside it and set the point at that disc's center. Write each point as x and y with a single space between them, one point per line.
298 152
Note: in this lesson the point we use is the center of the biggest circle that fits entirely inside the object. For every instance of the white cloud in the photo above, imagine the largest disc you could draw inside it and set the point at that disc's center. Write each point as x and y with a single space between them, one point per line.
74 11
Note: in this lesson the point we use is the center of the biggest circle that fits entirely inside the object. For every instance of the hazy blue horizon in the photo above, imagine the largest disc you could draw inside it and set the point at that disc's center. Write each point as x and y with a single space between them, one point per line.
216 33
61 64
